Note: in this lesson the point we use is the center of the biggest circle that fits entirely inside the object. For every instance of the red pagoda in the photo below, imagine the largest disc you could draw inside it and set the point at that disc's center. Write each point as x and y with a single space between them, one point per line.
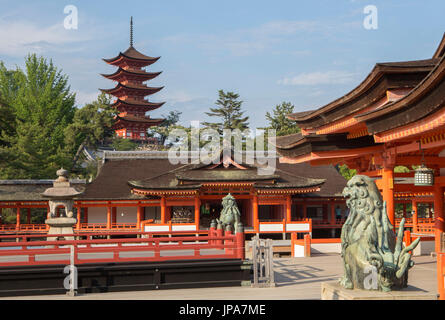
130 91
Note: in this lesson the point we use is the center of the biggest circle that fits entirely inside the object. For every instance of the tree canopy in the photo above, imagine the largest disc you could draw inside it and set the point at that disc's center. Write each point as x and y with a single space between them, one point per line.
229 111
41 106
278 119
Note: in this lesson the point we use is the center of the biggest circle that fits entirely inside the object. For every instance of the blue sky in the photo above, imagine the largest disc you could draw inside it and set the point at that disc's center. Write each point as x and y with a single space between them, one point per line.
305 52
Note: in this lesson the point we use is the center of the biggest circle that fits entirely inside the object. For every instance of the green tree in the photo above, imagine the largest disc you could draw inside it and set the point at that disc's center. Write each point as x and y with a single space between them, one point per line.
121 144
229 111
162 131
278 119
91 126
43 106
346 172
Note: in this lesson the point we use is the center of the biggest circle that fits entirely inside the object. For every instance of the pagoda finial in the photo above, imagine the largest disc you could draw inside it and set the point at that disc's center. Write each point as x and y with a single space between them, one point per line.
131 31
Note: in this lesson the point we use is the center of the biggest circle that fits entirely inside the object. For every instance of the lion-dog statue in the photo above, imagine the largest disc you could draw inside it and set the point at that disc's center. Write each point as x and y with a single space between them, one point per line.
230 215
373 258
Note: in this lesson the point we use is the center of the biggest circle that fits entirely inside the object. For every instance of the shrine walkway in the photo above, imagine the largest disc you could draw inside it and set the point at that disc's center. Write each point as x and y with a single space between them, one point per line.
296 278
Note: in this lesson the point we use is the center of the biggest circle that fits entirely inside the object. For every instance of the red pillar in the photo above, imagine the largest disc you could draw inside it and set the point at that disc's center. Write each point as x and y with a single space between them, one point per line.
108 217
79 216
256 222
240 241
289 208
18 218
139 217
162 209
439 224
197 211
388 192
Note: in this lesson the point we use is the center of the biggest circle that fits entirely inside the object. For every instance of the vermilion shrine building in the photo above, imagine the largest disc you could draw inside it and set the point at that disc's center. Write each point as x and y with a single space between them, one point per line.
144 191
395 117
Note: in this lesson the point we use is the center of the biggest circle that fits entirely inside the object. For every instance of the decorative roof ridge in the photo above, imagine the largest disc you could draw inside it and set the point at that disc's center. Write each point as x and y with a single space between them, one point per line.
441 48
138 72
132 86
38 181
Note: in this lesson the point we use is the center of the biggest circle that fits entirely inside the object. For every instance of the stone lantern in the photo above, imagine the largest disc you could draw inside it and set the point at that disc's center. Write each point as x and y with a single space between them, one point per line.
61 194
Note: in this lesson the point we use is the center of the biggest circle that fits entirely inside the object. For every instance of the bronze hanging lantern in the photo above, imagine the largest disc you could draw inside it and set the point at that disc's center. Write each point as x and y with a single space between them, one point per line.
423 176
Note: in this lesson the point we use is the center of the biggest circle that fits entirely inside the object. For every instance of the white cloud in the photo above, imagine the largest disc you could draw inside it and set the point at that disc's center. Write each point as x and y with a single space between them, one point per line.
83 98
22 37
247 41
317 78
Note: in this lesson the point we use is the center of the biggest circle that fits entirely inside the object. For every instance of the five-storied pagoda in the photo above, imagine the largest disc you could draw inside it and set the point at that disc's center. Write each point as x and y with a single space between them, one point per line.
130 91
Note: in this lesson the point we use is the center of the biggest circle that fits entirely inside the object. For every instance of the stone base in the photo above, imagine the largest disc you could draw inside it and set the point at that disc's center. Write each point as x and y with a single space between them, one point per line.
334 291
60 226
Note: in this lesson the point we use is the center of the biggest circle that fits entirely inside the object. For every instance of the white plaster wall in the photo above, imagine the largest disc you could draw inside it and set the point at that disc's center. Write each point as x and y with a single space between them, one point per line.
298 251
325 247
126 214
97 215
297 227
271 227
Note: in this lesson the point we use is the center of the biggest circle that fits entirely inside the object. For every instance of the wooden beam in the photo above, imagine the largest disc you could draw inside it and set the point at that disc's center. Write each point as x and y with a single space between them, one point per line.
417 160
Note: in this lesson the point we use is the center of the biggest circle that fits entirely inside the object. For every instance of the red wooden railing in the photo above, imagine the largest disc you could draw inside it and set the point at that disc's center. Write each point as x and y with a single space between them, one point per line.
227 246
441 275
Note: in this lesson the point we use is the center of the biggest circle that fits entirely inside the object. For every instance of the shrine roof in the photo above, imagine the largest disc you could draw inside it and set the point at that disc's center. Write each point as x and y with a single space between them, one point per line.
298 145
118 175
31 190
384 76
425 99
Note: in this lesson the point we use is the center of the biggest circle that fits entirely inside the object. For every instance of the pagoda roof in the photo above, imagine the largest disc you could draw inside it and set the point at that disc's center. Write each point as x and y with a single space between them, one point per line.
138 103
132 54
134 118
138 73
384 76
134 87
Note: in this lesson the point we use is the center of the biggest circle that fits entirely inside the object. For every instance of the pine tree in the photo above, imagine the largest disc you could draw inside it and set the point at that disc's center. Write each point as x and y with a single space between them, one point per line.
279 120
229 111
162 131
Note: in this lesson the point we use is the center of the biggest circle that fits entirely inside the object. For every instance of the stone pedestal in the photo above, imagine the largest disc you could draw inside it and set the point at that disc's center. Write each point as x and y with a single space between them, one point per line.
334 291
62 225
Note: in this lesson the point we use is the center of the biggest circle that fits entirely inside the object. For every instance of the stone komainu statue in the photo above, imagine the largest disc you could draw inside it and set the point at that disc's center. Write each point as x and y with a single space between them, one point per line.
230 214
373 257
